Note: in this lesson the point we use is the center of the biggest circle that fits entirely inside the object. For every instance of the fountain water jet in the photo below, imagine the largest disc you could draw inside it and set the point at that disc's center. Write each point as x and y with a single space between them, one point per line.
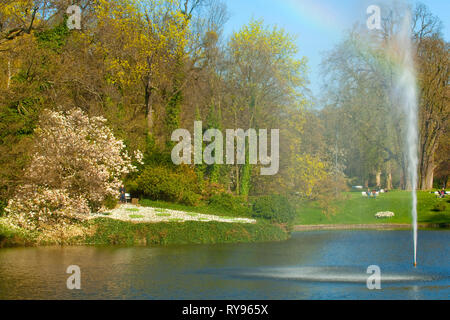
406 91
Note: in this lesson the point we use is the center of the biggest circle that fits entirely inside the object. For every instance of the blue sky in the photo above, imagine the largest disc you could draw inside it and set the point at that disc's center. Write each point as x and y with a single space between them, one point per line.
318 24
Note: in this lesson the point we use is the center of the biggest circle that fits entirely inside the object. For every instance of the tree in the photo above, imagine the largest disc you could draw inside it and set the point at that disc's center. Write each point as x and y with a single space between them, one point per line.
434 73
361 73
76 164
264 80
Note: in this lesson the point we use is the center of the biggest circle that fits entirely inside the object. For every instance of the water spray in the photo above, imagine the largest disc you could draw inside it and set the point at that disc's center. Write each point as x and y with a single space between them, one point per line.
406 91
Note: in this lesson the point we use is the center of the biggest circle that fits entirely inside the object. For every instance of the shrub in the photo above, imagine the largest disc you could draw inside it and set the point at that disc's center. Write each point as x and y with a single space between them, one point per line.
76 164
276 208
162 183
110 202
234 205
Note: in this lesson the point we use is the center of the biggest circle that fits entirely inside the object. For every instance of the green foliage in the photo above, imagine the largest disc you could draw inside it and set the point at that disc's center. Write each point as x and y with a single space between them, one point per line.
110 202
114 232
173 110
232 205
11 237
153 155
275 208
162 183
54 38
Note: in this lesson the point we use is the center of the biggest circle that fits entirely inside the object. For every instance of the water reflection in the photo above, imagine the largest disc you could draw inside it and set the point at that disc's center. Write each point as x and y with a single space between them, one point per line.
311 265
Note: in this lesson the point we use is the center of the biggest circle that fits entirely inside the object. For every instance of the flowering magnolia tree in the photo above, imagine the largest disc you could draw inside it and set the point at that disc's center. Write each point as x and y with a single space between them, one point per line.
77 163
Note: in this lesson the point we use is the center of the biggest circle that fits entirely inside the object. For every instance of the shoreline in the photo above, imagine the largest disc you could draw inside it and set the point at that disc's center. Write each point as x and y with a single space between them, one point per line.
113 232
367 226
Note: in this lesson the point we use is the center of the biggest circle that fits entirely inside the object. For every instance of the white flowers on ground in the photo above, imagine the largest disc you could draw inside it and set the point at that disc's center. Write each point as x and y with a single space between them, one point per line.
137 214
384 214
76 163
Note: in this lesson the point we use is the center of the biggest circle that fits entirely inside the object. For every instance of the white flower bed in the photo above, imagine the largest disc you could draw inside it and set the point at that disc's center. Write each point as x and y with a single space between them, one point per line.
128 212
384 214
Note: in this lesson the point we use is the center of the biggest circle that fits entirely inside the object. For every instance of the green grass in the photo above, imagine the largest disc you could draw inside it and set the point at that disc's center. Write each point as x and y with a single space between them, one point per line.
109 231
136 216
12 237
132 209
114 232
163 214
204 209
360 210
193 214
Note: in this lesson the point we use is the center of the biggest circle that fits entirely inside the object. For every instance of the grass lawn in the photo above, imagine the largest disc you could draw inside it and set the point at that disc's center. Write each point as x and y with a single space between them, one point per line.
204 209
136 216
361 210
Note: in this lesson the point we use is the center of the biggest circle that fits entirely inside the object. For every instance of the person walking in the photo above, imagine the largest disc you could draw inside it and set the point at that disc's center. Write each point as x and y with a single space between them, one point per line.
122 194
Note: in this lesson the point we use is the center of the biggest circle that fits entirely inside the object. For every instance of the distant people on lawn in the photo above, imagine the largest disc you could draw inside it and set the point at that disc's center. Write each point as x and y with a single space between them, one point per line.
442 193
371 193
122 194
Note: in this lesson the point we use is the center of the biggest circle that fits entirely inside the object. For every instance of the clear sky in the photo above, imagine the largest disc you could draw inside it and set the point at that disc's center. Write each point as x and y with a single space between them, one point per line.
318 24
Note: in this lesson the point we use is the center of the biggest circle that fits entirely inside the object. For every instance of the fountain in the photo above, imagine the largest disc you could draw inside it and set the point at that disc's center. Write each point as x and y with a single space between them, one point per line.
407 93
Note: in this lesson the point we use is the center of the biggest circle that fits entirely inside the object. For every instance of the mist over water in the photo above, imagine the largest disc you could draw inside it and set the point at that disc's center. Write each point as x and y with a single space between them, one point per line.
406 94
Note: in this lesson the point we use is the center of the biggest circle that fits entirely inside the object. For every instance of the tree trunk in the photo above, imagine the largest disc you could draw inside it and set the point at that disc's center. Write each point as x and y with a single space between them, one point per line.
9 74
149 97
403 179
426 176
237 179
388 176
378 178
426 163
149 107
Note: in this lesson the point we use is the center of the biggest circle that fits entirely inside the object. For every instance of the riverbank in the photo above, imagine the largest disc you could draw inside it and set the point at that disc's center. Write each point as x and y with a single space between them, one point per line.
354 209
107 231
373 226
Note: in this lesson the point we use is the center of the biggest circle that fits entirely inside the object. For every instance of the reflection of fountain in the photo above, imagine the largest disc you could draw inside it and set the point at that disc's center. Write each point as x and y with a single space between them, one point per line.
406 92
329 274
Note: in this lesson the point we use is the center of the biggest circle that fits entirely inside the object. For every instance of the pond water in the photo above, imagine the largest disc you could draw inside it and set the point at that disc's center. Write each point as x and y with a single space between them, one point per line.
311 265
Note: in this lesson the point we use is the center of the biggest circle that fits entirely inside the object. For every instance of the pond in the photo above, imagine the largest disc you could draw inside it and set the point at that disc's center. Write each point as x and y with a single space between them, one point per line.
311 265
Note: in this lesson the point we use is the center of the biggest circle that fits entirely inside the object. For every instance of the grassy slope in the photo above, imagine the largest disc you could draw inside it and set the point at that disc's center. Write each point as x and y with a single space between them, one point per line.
10 237
113 232
204 209
360 210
